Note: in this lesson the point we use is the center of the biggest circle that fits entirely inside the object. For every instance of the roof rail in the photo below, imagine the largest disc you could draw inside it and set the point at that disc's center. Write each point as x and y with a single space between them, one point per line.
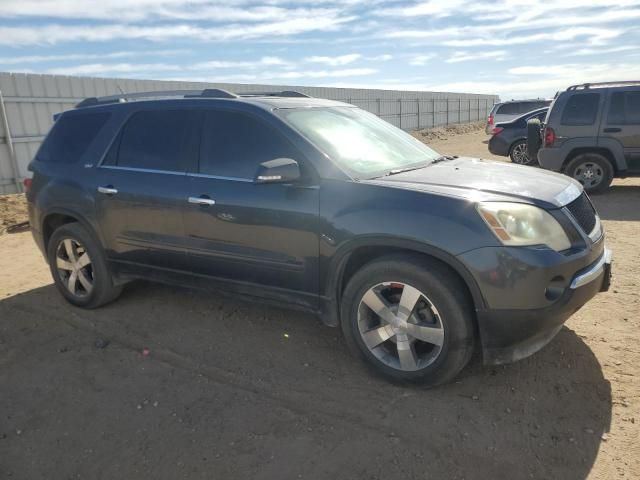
586 86
125 97
284 93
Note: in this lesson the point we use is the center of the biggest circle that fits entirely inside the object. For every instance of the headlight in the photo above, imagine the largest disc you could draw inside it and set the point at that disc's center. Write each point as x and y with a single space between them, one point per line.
521 224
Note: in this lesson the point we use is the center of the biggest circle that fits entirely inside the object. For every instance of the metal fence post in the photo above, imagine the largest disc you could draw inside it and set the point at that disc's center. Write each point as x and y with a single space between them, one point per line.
400 103
378 100
418 109
10 146
447 112
433 113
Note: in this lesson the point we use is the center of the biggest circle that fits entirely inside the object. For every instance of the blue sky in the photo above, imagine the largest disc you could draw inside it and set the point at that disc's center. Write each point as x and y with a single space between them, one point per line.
513 48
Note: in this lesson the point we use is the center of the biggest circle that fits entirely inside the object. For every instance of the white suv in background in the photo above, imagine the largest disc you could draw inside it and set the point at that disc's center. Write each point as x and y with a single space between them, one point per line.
507 111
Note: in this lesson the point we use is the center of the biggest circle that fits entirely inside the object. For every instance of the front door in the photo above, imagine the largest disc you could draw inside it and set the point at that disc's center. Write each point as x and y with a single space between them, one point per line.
261 236
623 125
142 186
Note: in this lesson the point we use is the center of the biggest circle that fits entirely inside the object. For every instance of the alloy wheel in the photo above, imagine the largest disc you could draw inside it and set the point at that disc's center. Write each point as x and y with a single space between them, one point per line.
589 174
400 326
520 155
74 267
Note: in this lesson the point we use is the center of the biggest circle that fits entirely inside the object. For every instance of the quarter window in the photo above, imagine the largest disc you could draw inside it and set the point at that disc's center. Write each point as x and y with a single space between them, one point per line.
581 109
71 136
624 109
235 144
156 140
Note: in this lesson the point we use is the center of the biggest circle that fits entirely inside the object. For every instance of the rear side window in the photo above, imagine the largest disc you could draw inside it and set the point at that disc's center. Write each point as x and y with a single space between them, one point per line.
155 140
71 136
508 109
624 109
235 144
581 109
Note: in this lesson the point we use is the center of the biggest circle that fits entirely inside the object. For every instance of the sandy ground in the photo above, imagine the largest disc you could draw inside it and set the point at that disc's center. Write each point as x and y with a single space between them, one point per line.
235 390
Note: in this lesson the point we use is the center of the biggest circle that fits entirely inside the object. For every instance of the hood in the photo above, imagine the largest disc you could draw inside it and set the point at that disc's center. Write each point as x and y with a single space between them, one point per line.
484 180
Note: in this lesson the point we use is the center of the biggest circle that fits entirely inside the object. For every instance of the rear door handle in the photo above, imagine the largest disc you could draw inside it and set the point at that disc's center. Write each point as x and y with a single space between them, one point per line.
202 201
612 130
108 190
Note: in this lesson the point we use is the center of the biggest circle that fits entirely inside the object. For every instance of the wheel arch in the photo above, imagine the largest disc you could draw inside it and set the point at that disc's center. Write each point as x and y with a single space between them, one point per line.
360 252
617 164
57 217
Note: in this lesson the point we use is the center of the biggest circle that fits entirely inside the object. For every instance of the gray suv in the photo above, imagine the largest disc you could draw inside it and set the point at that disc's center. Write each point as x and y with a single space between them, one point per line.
509 111
591 133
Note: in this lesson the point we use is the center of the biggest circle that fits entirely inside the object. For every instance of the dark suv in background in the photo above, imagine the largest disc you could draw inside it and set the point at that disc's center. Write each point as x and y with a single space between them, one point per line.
317 205
591 133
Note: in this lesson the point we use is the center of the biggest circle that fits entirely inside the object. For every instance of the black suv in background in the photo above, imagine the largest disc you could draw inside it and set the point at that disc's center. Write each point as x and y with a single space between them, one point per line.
591 133
510 139
318 205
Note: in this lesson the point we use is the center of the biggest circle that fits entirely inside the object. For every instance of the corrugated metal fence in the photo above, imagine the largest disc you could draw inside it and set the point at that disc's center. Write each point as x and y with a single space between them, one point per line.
29 102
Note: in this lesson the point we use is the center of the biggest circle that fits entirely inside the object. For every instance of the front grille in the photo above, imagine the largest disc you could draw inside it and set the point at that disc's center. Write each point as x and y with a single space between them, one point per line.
583 212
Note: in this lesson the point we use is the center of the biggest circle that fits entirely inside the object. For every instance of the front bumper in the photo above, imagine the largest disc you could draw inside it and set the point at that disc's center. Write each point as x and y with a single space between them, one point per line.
510 334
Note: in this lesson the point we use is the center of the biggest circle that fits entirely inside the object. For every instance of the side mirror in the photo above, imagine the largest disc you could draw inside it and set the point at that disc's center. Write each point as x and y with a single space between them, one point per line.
280 170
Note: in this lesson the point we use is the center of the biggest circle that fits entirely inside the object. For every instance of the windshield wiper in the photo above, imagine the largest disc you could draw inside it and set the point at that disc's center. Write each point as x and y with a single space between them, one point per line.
444 158
395 171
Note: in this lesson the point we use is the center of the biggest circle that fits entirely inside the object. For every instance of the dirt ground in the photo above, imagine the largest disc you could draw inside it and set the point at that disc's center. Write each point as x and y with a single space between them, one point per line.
235 390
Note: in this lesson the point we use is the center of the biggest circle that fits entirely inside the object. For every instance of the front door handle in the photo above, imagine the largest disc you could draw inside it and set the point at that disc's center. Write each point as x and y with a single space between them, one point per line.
108 190
612 130
204 201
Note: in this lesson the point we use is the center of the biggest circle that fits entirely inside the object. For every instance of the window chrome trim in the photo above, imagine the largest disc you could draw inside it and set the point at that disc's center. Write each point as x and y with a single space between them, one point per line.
220 177
145 170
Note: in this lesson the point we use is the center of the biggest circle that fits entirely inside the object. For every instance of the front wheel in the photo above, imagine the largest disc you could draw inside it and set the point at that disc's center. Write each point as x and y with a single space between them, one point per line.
79 268
409 318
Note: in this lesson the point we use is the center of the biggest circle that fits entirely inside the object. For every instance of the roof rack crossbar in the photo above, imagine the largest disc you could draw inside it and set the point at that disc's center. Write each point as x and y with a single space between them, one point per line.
586 86
125 97
284 93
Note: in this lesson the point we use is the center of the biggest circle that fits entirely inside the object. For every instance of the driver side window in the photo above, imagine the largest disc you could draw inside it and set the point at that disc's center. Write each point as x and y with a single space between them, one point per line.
234 145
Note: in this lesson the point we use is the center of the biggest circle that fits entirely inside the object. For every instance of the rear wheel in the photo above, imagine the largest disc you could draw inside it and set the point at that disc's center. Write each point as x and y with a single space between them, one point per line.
592 170
409 318
79 268
519 154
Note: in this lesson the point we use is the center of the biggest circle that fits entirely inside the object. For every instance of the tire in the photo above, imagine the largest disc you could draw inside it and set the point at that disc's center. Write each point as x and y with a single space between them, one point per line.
592 170
534 139
442 314
519 153
85 268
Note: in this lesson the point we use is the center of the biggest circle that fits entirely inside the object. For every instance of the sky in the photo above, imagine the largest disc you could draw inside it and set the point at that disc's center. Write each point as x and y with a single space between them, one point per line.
512 48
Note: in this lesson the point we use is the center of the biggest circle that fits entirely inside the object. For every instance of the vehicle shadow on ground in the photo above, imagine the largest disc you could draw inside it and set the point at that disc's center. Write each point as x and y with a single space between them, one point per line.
619 202
237 390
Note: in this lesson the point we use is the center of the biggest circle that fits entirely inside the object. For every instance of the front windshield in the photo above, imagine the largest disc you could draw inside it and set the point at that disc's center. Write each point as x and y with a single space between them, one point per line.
359 142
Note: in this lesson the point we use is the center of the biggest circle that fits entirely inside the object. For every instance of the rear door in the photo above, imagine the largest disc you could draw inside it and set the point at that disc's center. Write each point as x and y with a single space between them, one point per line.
623 124
261 234
143 188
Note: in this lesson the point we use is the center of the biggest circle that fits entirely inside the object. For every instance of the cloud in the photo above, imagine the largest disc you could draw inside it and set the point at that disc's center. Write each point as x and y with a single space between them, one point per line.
221 64
335 61
458 57
56 33
89 56
420 60
97 69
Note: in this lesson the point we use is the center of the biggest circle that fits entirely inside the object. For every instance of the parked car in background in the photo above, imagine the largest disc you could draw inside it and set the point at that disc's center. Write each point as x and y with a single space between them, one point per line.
591 133
507 111
317 205
510 139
